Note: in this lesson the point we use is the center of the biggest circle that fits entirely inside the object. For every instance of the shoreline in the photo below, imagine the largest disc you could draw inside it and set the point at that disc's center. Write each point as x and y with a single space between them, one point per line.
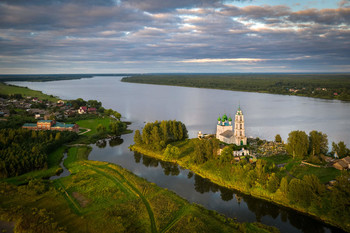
238 188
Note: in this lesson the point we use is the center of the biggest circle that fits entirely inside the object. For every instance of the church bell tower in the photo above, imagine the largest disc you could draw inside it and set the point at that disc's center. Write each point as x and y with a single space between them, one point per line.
240 138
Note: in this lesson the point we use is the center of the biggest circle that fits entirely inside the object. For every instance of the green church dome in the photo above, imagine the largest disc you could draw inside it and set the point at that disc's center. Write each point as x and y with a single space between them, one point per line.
224 117
230 119
219 118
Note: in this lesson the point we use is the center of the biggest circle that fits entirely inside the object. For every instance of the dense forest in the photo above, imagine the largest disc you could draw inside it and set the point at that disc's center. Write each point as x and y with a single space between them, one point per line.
328 86
22 150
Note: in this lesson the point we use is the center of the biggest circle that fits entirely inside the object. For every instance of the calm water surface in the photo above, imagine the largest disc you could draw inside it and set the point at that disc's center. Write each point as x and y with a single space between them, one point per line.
265 115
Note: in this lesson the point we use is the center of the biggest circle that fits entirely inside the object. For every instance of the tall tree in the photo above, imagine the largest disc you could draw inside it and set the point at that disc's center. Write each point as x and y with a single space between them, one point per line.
278 138
341 149
298 144
137 137
318 143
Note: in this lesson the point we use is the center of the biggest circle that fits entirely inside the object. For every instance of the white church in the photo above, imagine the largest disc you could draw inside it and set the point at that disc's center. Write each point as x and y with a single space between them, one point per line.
225 132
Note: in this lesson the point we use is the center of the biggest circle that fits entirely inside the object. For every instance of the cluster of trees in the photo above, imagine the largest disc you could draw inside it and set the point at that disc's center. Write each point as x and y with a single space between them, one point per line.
112 113
313 146
158 134
306 84
23 150
205 150
115 127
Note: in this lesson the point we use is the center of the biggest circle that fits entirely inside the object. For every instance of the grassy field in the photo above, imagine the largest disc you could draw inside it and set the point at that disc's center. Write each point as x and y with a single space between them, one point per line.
93 123
100 195
324 174
24 91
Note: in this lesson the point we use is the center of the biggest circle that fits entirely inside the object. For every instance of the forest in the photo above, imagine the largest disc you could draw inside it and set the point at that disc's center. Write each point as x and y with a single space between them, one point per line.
290 185
327 86
22 150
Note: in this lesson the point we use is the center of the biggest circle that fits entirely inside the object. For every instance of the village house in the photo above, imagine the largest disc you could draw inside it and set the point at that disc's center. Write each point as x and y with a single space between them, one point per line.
241 152
51 125
342 164
92 110
82 110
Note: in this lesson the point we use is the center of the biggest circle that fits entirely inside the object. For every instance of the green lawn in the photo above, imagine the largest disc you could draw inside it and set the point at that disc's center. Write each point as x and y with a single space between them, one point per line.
278 159
93 123
9 90
324 174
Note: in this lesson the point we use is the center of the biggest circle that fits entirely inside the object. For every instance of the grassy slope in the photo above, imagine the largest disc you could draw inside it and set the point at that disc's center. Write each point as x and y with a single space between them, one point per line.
9 90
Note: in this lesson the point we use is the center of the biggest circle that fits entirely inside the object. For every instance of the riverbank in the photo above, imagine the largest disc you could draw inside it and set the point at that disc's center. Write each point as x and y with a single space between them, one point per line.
215 173
323 86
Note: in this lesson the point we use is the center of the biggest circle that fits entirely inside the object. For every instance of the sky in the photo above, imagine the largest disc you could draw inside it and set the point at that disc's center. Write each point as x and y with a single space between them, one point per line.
174 36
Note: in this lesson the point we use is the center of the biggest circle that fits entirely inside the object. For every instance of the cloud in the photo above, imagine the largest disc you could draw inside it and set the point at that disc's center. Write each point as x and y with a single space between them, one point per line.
179 35
212 60
165 6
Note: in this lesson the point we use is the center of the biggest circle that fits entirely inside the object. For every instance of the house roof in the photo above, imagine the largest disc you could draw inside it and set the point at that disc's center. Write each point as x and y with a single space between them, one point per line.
346 159
62 125
227 134
45 121
342 163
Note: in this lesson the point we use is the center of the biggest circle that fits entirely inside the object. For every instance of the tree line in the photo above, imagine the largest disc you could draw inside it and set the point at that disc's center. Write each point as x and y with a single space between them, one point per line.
23 150
313 85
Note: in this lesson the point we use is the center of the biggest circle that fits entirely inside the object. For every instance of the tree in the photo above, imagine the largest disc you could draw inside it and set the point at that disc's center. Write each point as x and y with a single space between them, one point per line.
137 137
278 138
341 149
100 128
298 144
318 143
284 186
273 183
226 155
171 152
58 136
299 192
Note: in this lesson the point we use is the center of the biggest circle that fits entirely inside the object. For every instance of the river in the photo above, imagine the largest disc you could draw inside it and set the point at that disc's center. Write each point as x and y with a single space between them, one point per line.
265 116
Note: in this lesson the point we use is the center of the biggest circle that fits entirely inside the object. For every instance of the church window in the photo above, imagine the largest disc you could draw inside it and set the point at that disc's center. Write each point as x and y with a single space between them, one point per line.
241 118
241 126
240 133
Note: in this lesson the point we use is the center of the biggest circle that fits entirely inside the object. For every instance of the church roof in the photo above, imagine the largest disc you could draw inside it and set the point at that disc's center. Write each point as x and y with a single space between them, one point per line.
227 134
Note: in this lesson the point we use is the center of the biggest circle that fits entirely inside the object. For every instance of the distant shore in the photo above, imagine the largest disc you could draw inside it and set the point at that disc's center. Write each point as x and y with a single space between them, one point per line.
323 86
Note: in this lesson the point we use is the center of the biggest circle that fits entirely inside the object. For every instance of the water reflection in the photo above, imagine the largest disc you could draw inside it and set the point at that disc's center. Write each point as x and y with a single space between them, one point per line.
115 141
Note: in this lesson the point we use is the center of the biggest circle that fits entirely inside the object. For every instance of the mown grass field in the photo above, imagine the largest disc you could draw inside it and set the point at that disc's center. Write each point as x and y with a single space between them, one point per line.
24 91
93 123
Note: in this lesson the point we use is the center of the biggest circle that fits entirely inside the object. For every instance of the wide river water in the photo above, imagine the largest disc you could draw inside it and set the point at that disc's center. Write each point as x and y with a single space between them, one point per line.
265 116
